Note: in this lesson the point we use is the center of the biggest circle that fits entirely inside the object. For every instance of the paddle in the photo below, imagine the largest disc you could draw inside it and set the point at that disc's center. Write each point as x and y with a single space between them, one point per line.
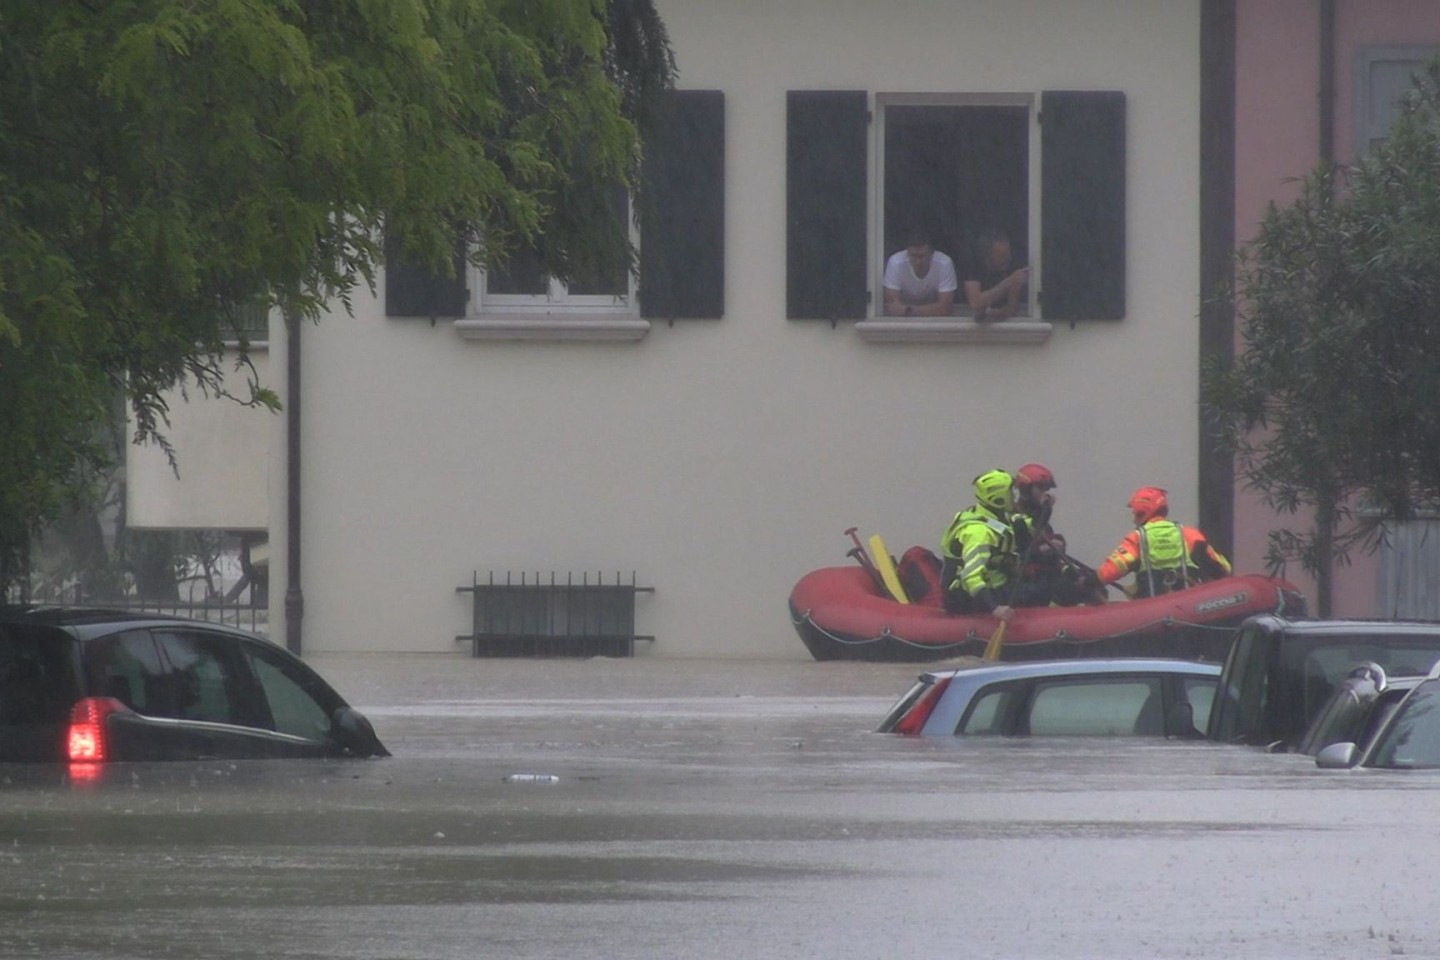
863 558
992 649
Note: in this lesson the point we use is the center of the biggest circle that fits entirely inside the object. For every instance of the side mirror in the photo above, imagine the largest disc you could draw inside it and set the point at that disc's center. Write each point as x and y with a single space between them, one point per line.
352 731
1337 756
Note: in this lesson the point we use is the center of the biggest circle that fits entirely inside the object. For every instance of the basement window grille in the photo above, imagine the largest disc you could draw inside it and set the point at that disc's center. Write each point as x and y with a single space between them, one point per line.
531 616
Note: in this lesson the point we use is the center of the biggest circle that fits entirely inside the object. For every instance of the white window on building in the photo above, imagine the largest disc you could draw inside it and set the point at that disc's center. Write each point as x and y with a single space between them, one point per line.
1383 75
957 168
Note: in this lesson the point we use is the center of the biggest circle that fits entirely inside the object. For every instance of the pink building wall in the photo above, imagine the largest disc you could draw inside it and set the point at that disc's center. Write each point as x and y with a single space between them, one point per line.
1277 139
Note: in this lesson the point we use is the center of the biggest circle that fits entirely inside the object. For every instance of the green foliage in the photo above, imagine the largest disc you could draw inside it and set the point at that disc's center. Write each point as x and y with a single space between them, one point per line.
1332 400
163 161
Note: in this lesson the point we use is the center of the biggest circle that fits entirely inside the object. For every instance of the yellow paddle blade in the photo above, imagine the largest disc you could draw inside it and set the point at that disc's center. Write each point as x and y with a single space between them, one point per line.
885 563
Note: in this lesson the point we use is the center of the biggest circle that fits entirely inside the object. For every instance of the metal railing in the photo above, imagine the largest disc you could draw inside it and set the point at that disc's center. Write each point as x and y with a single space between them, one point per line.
245 615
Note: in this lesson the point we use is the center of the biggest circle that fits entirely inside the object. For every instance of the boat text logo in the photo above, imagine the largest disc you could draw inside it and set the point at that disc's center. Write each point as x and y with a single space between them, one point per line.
1221 603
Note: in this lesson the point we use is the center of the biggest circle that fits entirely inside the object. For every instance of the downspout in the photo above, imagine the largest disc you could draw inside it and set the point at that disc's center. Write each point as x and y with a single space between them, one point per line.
1327 82
294 597
1217 256
1325 513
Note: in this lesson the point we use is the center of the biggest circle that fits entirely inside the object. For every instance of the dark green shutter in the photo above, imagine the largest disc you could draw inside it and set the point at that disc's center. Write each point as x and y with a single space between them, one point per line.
415 290
825 261
682 210
1082 213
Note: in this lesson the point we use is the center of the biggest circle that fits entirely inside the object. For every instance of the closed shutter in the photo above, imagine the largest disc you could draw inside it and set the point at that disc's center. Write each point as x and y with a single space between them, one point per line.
682 210
415 290
825 262
1082 215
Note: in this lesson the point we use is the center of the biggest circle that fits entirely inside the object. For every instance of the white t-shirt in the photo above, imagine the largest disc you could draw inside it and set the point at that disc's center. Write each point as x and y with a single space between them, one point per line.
940 278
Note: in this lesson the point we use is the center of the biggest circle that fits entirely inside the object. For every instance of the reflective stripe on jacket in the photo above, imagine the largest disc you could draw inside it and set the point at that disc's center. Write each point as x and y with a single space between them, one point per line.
981 547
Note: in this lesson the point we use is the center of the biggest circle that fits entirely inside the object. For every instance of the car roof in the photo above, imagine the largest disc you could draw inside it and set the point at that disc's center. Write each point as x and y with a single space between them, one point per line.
85 623
1048 668
1346 626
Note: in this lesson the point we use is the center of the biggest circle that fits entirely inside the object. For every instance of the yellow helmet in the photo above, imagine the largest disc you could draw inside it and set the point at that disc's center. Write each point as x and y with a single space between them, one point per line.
995 489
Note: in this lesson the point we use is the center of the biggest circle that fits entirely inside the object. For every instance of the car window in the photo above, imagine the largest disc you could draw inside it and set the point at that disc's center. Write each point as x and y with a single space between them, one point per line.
287 690
1097 707
1241 711
127 666
205 680
987 714
37 684
1413 737
1324 666
1200 692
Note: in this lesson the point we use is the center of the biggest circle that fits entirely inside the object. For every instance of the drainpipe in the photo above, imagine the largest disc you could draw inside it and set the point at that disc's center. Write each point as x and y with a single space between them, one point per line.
1217 253
1325 512
1327 81
294 597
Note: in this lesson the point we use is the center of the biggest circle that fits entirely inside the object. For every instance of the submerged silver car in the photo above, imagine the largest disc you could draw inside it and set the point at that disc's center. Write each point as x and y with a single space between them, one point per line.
1094 698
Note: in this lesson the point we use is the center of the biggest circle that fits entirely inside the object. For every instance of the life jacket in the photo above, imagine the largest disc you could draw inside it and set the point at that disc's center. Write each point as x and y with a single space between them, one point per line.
1164 558
970 533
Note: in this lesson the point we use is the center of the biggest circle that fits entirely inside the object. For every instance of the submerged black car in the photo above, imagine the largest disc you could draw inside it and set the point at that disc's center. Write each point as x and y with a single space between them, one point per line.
84 685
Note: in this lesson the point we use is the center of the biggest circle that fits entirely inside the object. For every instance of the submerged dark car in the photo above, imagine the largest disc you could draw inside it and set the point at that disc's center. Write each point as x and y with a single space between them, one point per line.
84 685
1280 673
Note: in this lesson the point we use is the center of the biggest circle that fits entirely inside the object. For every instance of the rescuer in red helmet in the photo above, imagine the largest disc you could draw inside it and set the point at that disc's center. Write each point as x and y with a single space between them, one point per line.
1047 574
1164 555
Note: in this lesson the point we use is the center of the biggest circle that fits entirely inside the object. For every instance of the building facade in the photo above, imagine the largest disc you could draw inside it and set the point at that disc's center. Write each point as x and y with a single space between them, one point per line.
713 427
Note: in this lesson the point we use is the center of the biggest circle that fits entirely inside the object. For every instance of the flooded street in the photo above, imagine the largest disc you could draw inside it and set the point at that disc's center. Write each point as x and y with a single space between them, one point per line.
711 810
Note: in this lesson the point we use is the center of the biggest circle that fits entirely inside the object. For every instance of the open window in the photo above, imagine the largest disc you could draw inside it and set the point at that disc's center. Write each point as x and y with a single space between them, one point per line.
957 168
1047 170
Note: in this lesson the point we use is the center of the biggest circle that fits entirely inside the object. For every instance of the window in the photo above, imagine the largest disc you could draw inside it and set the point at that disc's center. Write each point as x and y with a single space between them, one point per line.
1200 693
969 161
1097 708
682 252
1382 78
294 709
127 667
990 710
520 284
204 681
958 169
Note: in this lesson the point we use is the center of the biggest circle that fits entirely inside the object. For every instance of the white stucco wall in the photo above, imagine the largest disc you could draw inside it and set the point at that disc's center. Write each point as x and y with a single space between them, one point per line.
721 460
223 470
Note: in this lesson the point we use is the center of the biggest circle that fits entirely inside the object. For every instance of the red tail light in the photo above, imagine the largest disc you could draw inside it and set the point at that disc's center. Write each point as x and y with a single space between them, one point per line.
87 742
916 716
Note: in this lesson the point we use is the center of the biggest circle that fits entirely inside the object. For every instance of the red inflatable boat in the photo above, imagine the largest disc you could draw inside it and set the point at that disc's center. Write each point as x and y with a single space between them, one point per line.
845 613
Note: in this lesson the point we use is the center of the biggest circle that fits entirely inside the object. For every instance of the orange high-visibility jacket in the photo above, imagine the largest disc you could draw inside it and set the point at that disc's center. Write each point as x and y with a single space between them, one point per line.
1180 555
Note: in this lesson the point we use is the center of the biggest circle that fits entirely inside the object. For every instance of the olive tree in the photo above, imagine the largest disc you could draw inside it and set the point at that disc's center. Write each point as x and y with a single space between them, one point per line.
1332 404
165 164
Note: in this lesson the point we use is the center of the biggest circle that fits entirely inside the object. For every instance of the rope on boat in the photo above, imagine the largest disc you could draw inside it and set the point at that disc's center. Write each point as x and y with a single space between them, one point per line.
972 637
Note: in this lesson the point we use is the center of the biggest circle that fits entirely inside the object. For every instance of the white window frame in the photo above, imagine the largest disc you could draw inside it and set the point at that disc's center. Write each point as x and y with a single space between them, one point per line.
1369 127
554 315
960 326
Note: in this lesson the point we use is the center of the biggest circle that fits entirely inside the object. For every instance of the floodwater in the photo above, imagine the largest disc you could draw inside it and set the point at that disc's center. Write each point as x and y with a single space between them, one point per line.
712 810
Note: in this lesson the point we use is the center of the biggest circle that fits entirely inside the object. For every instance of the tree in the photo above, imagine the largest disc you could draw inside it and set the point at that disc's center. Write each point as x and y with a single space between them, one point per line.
1333 401
165 163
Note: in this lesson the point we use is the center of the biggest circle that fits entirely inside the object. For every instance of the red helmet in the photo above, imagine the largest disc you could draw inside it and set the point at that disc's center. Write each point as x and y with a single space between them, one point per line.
1035 475
1147 503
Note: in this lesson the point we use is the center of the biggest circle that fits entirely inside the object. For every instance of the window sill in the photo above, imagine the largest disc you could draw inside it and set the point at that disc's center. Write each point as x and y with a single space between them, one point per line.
951 330
550 327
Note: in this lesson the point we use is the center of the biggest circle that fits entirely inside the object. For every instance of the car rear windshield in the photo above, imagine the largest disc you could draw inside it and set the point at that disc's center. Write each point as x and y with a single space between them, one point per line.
37 681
